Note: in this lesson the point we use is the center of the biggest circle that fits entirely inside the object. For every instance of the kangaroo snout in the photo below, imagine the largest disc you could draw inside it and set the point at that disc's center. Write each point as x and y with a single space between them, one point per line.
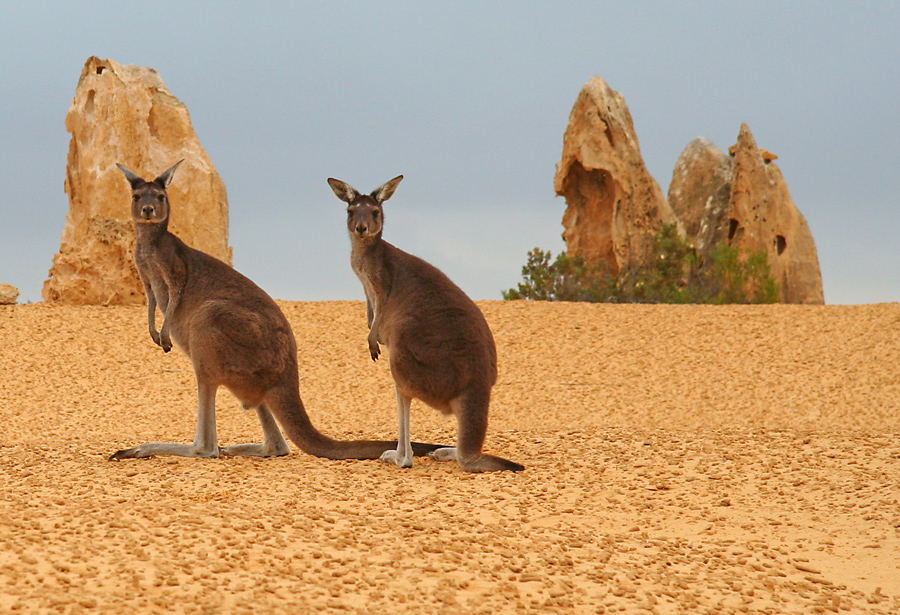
362 229
147 211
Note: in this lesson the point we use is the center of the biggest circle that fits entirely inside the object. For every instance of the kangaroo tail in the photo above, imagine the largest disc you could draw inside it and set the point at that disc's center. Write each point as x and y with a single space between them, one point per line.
288 409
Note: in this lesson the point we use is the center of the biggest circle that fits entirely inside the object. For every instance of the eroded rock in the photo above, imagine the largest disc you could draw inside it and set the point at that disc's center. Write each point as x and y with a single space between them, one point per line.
8 294
125 113
744 201
613 205
700 193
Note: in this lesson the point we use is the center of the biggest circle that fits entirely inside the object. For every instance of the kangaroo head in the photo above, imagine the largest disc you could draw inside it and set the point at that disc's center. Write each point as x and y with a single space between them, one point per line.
149 201
365 215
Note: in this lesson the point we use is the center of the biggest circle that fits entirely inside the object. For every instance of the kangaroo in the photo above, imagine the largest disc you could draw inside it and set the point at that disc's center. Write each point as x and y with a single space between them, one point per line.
440 346
235 335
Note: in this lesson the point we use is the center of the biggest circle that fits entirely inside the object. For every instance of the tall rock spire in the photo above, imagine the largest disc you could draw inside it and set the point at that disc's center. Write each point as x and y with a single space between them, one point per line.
127 114
743 200
614 206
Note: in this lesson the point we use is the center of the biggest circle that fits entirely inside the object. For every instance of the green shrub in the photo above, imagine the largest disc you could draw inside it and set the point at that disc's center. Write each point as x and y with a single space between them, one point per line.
568 278
676 275
732 279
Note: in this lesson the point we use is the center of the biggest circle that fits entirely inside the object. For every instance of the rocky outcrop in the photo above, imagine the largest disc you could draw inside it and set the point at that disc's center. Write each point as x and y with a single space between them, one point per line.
127 114
8 294
700 191
613 205
743 200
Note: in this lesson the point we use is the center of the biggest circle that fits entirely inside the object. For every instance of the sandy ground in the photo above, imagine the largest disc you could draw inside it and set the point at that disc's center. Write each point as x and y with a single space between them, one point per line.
679 459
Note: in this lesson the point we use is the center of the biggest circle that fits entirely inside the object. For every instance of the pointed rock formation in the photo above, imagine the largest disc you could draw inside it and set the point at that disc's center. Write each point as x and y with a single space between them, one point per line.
700 193
744 201
127 114
614 206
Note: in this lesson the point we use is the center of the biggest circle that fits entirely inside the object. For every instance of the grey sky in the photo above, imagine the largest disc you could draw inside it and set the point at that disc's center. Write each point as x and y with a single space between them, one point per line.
469 101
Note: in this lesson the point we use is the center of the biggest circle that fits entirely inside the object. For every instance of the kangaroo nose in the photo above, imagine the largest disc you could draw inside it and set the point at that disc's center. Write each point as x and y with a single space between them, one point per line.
361 228
147 210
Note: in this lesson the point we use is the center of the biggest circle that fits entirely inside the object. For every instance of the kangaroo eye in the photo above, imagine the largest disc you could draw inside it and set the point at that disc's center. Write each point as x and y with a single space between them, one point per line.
134 198
160 198
375 213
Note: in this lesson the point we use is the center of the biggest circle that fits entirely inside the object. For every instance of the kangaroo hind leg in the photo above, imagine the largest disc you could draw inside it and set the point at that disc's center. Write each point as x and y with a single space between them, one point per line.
471 412
470 432
403 456
205 443
273 445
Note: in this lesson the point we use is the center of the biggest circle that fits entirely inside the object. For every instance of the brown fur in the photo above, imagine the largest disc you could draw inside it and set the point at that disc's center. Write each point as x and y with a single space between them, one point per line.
235 335
440 347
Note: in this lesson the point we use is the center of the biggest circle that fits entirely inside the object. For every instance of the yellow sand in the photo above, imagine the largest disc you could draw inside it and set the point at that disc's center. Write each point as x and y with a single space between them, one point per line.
679 459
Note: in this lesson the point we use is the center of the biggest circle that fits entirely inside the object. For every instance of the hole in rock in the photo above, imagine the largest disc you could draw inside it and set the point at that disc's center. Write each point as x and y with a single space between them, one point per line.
780 243
732 228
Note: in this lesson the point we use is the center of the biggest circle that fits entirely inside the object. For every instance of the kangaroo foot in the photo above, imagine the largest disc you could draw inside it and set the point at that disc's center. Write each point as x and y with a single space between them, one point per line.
448 453
476 463
392 456
151 449
489 463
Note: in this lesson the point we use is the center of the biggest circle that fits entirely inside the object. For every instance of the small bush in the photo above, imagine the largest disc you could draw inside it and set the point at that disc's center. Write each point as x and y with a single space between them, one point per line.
732 279
568 278
676 275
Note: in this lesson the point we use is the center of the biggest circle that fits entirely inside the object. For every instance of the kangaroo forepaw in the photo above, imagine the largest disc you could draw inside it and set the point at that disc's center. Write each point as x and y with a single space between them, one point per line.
154 335
165 343
397 459
374 350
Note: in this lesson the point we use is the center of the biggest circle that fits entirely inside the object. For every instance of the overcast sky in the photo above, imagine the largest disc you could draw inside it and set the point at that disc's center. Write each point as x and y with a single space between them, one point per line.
469 101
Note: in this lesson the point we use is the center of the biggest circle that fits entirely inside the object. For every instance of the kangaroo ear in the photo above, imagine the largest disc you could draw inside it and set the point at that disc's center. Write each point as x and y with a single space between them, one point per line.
131 176
386 191
343 190
165 178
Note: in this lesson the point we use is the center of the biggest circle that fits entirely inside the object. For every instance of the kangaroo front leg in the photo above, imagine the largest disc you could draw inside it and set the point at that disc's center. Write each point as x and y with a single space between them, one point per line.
373 313
370 313
175 279
374 350
205 443
151 314
403 456
274 444
164 339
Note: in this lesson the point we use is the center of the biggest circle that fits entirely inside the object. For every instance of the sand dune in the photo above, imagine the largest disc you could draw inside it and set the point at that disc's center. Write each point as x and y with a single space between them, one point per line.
679 459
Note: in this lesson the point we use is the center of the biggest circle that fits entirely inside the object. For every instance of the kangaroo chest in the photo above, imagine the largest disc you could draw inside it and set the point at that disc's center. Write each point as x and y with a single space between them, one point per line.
367 285
157 272
373 278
